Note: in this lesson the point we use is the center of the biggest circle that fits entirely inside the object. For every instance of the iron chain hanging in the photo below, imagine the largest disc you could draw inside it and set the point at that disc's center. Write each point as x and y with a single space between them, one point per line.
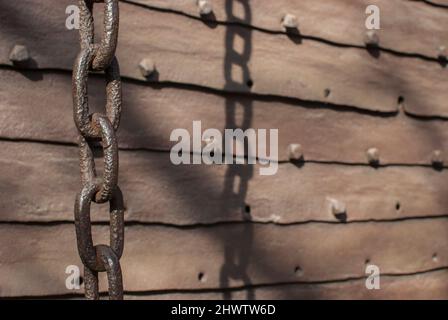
94 128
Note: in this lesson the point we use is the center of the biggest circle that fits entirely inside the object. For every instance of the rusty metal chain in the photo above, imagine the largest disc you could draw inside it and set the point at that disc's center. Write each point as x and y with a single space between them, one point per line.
94 128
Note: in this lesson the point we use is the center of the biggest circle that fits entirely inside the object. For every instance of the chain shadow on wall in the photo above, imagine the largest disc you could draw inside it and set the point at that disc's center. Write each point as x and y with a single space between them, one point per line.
238 116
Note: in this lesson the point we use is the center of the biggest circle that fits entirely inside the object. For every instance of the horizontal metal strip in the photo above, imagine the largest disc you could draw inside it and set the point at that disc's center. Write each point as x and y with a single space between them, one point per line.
40 182
231 58
223 257
151 114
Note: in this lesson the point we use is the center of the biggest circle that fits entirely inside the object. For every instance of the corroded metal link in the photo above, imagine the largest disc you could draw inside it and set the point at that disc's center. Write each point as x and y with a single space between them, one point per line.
91 284
105 51
90 256
93 128
87 160
81 113
114 277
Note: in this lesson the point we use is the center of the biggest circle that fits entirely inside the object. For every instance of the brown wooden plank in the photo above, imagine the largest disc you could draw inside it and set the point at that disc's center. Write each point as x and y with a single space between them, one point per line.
405 25
437 3
39 183
408 287
310 71
425 286
228 256
150 115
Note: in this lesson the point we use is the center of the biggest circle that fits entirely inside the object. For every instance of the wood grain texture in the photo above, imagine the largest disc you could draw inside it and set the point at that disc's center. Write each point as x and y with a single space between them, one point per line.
437 3
39 183
394 288
229 58
159 258
150 114
404 24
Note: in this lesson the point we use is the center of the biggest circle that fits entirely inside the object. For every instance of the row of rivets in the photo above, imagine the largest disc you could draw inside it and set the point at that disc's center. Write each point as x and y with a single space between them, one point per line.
295 152
290 22
371 37
338 209
20 53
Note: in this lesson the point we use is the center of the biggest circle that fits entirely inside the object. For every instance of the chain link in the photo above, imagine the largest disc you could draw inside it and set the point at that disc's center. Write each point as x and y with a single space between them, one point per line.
105 51
94 128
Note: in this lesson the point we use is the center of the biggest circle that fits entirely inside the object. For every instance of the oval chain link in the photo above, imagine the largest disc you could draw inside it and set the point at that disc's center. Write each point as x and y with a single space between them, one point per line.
94 128
105 51
81 110
87 251
87 161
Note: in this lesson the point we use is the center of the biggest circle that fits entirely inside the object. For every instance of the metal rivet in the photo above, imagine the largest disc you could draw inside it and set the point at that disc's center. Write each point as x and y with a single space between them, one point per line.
205 7
289 21
147 67
371 38
437 158
207 141
202 277
19 54
441 52
373 155
338 209
298 271
435 258
295 151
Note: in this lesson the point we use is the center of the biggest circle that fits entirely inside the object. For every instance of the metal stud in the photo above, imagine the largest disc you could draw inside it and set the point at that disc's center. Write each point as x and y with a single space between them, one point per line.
147 67
205 7
295 151
373 156
441 51
437 158
289 21
19 54
371 38
338 209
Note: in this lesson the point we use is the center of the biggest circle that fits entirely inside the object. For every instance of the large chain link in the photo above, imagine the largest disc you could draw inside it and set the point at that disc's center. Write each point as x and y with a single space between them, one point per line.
92 129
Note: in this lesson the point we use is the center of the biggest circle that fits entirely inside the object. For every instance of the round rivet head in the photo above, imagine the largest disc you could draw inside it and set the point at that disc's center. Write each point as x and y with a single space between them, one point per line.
338 209
371 38
289 21
437 158
441 52
373 156
205 7
295 151
147 67
19 54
